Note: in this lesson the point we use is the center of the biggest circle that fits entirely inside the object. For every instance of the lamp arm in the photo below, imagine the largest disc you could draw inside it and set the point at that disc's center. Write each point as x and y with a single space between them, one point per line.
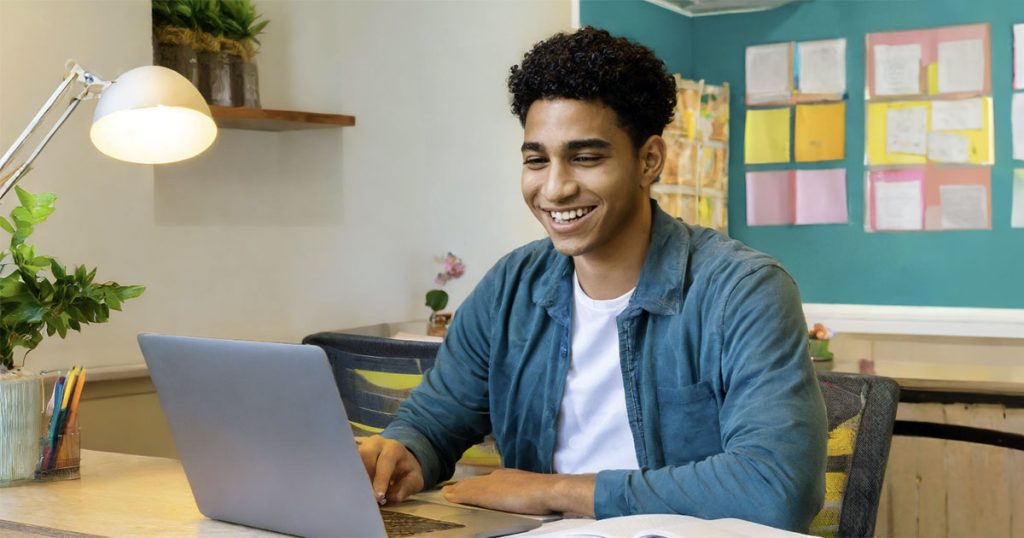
93 86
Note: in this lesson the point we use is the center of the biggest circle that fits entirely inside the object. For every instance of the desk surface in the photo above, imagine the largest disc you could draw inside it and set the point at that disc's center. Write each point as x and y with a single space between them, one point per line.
118 495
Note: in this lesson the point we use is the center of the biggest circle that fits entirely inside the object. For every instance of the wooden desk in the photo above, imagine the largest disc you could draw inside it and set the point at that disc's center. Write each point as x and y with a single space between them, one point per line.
118 495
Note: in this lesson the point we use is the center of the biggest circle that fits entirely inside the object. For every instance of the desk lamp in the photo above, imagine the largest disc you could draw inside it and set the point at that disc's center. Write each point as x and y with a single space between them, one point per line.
149 115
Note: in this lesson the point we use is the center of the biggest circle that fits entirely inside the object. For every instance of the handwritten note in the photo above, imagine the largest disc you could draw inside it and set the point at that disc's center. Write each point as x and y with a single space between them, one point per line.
898 205
964 207
906 130
961 66
897 69
770 198
948 147
1018 56
957 115
822 67
821 196
769 73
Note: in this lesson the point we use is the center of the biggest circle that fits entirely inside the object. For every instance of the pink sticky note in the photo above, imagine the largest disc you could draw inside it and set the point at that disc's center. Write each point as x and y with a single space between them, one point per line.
770 198
821 196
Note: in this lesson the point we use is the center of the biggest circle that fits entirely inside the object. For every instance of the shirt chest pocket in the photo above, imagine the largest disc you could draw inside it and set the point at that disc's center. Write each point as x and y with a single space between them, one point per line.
688 417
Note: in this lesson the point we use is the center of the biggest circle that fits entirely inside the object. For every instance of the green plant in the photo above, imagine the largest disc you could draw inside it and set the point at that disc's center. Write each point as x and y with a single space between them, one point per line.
241 22
31 301
202 15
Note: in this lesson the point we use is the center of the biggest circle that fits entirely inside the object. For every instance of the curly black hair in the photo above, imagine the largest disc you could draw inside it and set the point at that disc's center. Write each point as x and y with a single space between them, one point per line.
591 64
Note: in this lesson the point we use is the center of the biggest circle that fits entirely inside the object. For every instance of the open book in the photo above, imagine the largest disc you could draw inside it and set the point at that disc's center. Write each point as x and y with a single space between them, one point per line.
659 526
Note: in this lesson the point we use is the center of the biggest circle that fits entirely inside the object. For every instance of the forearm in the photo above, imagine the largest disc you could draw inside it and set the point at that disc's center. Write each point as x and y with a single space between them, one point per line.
572 494
512 490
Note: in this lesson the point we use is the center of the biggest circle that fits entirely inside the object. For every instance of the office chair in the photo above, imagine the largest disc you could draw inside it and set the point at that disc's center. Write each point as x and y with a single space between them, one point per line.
861 411
374 374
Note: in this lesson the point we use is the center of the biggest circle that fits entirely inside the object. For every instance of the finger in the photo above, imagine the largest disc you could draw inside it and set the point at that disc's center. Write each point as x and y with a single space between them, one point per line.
407 479
386 461
368 452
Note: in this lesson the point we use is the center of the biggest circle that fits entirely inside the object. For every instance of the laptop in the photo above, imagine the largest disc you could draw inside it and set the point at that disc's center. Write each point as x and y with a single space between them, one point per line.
265 442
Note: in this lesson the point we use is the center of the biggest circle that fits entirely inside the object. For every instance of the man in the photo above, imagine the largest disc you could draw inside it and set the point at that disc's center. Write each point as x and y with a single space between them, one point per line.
629 363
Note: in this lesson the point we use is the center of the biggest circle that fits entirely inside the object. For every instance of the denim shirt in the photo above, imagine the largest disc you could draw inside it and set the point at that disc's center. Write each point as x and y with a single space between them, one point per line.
724 406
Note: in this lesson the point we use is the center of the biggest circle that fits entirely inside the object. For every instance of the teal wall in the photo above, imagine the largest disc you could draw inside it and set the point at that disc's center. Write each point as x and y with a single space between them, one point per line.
667 33
843 263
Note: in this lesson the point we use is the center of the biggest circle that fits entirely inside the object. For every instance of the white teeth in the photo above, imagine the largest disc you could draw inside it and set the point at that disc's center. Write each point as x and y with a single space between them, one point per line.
562 217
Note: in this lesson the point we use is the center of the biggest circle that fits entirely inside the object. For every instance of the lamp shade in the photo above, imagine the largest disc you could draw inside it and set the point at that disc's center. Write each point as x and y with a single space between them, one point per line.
152 115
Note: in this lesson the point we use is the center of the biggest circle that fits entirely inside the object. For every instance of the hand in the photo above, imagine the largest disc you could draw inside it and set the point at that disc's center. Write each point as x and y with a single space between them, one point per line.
394 472
512 490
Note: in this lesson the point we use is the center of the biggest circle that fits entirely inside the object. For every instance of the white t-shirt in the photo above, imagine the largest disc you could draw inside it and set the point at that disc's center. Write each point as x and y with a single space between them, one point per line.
593 428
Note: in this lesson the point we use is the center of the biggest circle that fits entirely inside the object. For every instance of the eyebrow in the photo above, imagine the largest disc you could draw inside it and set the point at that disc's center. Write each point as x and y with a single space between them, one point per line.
572 145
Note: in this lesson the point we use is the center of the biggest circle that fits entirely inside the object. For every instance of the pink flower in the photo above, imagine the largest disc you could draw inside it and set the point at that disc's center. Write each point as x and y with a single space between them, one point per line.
440 279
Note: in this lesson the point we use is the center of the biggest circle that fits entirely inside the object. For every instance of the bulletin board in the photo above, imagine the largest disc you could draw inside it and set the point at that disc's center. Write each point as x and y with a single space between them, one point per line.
840 264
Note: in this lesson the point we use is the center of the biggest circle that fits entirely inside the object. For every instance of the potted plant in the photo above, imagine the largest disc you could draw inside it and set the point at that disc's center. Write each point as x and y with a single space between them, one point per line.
174 29
242 25
437 299
37 294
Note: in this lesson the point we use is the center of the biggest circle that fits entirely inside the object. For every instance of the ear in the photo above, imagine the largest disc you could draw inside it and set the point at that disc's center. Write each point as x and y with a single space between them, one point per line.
652 160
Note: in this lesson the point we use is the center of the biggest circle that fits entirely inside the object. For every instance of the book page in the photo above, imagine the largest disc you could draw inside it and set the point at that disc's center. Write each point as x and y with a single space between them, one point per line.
899 205
957 115
769 73
964 207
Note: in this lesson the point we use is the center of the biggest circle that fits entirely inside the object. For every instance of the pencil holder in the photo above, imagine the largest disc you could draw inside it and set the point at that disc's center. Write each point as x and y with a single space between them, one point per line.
61 460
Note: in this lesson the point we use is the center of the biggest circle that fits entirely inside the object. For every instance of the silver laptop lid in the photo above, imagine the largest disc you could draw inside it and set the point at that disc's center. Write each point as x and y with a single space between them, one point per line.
247 414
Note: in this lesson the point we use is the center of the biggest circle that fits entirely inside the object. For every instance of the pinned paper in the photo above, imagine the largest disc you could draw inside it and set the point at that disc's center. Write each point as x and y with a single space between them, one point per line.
769 73
1017 211
1017 121
821 196
770 198
948 147
964 207
906 130
1018 56
822 67
958 114
820 132
961 66
766 138
897 69
897 201
957 197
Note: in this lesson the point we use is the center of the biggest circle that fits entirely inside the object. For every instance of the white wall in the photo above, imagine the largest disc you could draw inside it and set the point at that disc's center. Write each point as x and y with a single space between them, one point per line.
273 236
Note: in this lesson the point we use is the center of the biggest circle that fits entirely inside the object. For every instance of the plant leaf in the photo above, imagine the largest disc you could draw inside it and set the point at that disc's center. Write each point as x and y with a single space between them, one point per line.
6 225
437 299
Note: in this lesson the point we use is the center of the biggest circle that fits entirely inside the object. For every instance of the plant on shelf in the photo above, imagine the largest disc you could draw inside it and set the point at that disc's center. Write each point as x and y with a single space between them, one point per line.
32 301
437 299
242 27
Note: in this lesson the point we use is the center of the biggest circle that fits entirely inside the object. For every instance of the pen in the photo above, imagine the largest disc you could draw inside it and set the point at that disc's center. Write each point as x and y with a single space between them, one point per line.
71 414
58 396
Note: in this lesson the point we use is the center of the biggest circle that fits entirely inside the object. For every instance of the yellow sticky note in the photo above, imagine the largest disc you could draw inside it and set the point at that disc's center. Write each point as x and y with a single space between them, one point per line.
766 138
933 79
820 132
980 140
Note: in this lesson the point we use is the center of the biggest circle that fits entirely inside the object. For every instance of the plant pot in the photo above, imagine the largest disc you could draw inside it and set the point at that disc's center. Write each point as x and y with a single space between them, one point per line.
215 78
437 324
180 58
245 83
21 415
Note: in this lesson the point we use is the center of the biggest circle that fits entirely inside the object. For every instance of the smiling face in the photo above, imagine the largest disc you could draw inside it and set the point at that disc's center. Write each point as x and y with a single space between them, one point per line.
584 179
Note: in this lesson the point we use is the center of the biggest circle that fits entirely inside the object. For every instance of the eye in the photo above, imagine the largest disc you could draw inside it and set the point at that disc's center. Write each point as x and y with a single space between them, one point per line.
588 159
535 162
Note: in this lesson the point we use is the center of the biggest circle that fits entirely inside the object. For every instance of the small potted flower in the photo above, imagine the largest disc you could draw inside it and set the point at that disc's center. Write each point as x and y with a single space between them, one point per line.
437 299
817 342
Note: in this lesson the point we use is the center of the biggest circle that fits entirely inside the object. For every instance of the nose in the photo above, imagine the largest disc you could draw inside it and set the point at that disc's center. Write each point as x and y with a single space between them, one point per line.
559 185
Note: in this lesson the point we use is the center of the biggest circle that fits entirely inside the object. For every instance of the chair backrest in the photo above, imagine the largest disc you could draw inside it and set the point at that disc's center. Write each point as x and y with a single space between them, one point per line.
374 374
861 410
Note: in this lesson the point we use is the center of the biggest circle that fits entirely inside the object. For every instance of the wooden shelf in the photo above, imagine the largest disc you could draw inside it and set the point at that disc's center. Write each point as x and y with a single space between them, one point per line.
265 119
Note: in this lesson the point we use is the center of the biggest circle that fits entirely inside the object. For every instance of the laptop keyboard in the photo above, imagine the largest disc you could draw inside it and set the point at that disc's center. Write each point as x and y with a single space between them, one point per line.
399 524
